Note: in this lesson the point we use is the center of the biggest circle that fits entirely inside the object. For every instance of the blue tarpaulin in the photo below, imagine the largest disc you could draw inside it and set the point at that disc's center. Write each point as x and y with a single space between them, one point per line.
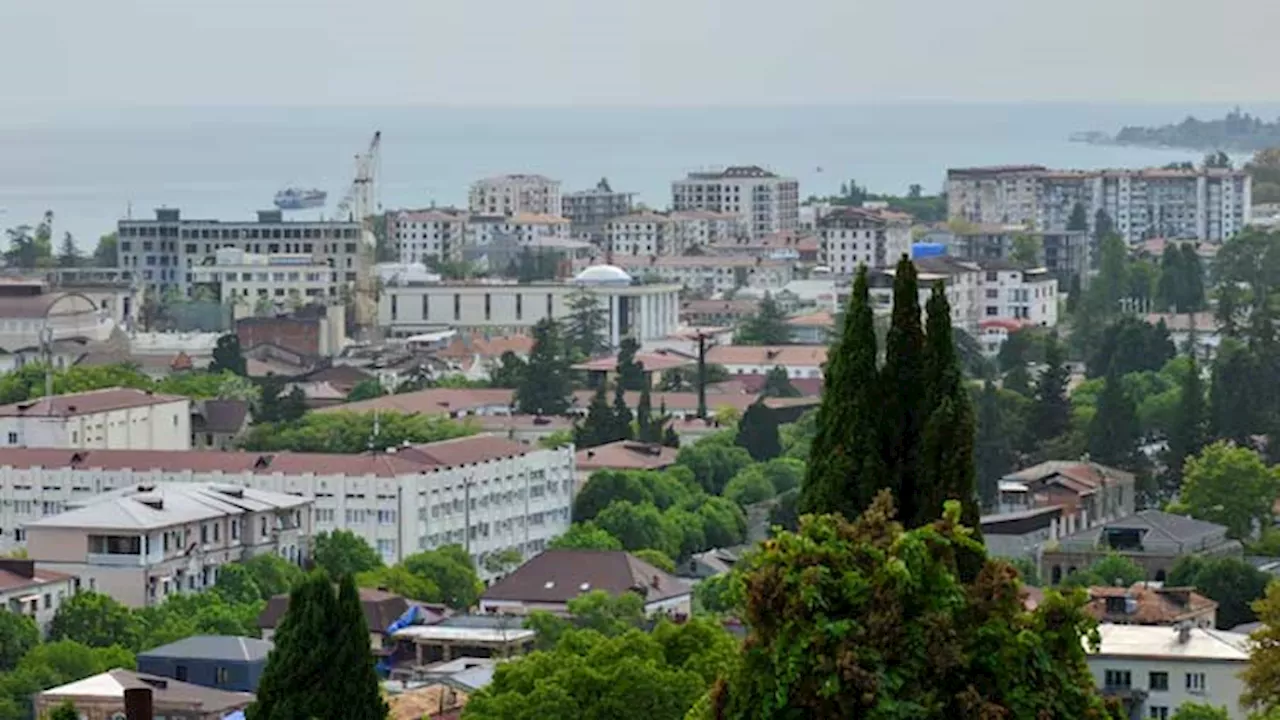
410 617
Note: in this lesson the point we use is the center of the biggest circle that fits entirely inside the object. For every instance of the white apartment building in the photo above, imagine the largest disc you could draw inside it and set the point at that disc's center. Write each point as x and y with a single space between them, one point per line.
513 194
1012 292
523 228
34 592
1206 204
850 236
113 418
704 228
143 542
765 202
483 492
422 235
163 253
1155 669
243 279
589 211
669 234
650 312
709 272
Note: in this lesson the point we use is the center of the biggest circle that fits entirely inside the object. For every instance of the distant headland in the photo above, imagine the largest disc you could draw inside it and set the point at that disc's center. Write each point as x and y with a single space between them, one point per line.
1236 132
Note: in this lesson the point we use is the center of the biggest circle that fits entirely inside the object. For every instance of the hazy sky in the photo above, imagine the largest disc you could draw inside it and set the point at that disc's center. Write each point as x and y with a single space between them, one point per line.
71 54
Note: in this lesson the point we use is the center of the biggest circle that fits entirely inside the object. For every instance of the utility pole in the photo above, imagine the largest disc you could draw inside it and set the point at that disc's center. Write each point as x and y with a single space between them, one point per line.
702 375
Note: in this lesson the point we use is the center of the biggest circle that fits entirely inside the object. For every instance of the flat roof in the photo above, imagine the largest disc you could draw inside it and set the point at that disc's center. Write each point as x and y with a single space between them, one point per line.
441 633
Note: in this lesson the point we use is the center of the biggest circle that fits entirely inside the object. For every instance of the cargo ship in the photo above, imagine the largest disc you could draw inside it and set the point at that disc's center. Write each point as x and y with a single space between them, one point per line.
299 199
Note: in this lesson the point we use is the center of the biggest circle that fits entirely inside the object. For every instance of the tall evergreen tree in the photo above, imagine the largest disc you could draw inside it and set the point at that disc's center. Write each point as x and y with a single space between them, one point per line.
354 693
903 382
648 428
68 254
767 327
586 325
621 415
597 428
1193 279
631 375
947 469
778 384
758 432
1052 410
1114 431
546 386
1079 220
1187 436
1233 407
296 682
993 450
844 470
1171 290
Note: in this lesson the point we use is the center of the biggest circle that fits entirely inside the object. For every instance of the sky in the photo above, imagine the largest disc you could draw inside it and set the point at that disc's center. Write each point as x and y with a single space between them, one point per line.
73 55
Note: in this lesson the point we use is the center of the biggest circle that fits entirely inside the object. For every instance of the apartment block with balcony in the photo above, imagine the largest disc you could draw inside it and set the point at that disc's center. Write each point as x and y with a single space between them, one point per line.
765 202
112 418
589 211
247 280
1065 253
644 234
710 273
514 194
850 236
420 236
164 253
522 228
143 542
483 492
1011 291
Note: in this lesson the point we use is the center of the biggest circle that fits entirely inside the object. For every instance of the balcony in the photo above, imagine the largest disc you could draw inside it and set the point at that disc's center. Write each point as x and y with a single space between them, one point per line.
114 560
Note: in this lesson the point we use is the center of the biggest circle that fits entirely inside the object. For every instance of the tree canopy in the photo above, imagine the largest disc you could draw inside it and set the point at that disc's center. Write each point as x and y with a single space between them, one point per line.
353 432
1231 486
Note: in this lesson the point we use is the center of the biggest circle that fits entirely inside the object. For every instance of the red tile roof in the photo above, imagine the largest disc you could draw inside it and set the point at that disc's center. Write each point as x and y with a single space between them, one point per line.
626 455
653 362
784 355
434 401
85 403
558 576
1149 605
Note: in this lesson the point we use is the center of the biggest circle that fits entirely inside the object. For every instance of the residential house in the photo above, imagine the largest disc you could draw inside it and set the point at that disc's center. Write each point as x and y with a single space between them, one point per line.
1014 292
710 274
101 697
112 418
1021 533
1153 539
623 455
1203 326
1089 491
713 313
800 361
553 578
381 609
218 424
1153 670
813 328
143 542
225 662
36 592
1152 604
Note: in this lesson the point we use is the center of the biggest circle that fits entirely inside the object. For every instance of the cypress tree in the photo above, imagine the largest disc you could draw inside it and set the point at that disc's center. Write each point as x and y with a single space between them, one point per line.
947 469
903 394
1187 436
299 671
546 386
621 415
597 428
354 691
844 470
647 430
993 450
1193 279
758 432
1113 432
1052 410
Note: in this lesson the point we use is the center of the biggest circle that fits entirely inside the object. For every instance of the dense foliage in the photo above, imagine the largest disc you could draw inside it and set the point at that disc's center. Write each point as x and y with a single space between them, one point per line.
351 432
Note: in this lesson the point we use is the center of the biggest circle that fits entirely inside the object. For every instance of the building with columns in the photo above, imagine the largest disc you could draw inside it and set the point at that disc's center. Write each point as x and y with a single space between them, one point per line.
646 311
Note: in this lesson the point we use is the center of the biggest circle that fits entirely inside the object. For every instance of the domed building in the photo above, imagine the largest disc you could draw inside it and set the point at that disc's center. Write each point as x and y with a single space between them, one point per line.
647 311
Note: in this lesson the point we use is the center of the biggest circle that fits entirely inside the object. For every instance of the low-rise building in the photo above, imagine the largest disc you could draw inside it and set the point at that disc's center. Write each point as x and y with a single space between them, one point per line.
623 455
1094 492
218 424
710 274
34 591
29 309
415 498
113 418
1013 292
797 246
853 236
224 662
800 361
1152 604
813 328
645 311
522 229
1153 539
1203 326
101 697
310 332
714 313
553 578
143 542
589 211
1153 670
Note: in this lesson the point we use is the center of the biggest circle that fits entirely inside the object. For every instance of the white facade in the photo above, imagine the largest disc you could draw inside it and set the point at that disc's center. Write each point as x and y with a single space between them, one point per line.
34 592
849 237
401 503
245 278
1206 204
72 319
116 418
165 252
1162 668
512 194
647 311
422 235
800 361
525 228
710 273
1029 296
765 202
640 234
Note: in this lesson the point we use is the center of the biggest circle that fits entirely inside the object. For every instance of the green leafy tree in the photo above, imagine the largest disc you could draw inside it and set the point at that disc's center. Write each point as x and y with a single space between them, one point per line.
352 432
366 390
18 634
657 558
50 665
844 459
228 357
784 473
343 552
750 486
1234 412
598 427
638 527
107 254
236 584
713 464
724 523
96 620
804 658
510 371
1262 675
272 574
503 561
1027 249
758 432
993 449
1187 434
65 711
1232 582
587 327
778 384
451 569
768 326
545 387
585 536
399 580
1200 711
1231 486
1112 570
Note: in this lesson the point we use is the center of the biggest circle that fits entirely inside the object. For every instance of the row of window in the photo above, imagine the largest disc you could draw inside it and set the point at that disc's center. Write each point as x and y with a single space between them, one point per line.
1193 682
278 233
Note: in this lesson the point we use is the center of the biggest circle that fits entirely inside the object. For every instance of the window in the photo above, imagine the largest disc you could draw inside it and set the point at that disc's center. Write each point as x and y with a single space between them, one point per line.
426 306
519 306
1195 683
1159 713
1158 681
1121 679
180 673
13 438
394 307
488 308
235 529
221 676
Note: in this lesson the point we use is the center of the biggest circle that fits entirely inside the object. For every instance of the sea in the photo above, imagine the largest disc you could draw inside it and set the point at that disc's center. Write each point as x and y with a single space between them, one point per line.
95 166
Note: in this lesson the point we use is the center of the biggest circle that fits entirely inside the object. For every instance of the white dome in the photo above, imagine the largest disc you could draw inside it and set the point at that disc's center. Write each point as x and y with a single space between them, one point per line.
603 275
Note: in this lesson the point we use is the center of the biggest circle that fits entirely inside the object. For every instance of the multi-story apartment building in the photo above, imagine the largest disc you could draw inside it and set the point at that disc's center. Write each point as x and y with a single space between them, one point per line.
650 312
523 228
483 492
163 253
1065 253
512 194
851 236
1013 292
589 211
114 418
669 234
244 279
710 273
142 542
704 228
423 235
1153 670
764 201
1205 204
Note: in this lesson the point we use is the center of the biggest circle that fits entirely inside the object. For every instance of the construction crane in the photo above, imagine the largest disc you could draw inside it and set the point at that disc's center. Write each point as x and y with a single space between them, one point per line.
360 205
